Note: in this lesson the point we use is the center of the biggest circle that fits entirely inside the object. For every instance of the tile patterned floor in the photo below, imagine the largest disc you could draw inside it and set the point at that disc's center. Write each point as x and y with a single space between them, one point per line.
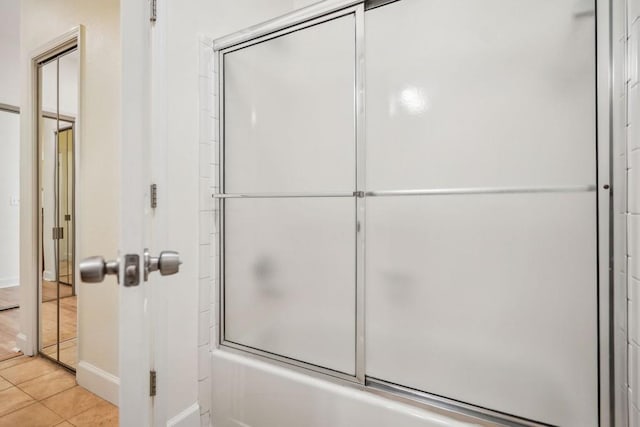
9 325
37 393
9 297
9 328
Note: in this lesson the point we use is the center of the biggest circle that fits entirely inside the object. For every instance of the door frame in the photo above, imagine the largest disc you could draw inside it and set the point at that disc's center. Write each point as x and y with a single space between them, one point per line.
30 229
608 348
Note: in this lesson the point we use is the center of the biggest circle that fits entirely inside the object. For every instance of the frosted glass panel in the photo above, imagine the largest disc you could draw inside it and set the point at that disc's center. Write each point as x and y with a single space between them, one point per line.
289 112
290 278
487 299
467 93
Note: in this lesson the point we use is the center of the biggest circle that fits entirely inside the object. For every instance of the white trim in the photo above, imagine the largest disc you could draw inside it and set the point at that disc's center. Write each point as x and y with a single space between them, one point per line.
313 11
187 417
49 276
160 221
9 282
606 350
206 149
46 50
98 382
22 343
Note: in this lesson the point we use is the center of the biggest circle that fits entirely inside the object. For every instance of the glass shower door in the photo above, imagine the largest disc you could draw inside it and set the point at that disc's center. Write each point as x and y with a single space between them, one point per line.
481 233
289 208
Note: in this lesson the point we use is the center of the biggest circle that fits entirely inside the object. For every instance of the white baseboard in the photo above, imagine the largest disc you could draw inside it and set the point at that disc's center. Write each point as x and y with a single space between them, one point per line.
23 344
98 381
190 417
49 276
9 282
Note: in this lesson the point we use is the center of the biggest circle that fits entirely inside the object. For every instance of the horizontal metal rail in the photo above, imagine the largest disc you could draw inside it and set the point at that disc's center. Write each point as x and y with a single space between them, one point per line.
278 195
9 108
481 190
400 393
417 192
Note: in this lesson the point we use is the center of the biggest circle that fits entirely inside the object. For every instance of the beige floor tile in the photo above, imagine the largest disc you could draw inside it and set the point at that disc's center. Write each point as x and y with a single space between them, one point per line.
12 352
36 415
72 343
9 328
9 297
14 361
4 384
48 385
69 356
71 402
68 352
64 424
28 370
13 399
103 414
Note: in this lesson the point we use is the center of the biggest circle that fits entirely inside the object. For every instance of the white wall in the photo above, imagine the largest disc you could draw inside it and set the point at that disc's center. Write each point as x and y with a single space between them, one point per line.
189 317
97 177
623 407
9 142
629 155
10 52
9 193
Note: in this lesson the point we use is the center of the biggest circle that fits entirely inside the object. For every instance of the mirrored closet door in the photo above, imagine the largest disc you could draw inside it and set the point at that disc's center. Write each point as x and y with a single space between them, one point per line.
58 94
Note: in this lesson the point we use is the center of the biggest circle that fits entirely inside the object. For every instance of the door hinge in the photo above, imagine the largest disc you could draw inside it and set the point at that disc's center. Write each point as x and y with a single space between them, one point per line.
153 16
152 383
57 233
154 196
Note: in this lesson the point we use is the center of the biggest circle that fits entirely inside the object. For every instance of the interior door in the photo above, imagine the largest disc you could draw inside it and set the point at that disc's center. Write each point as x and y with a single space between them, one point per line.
139 337
481 235
139 262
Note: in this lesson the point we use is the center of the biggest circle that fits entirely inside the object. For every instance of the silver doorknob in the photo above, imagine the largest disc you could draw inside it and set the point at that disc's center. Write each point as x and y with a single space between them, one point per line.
167 263
93 269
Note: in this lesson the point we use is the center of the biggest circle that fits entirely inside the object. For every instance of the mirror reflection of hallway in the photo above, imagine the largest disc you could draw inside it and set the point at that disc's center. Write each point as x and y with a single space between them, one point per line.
58 93
9 229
